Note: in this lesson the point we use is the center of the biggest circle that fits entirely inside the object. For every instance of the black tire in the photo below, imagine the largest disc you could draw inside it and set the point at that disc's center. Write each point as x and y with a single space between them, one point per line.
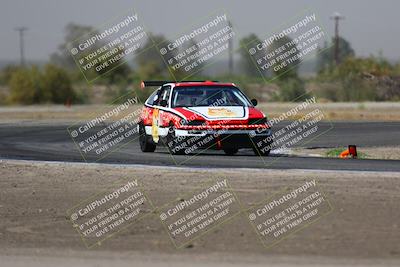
260 152
230 151
171 143
145 144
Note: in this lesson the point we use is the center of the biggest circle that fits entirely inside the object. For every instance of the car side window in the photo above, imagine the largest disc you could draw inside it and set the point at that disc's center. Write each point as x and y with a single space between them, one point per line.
167 92
153 98
164 94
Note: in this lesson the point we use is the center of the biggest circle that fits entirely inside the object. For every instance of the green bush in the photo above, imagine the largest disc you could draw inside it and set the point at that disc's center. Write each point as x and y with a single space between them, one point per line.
354 88
56 85
24 86
291 89
6 73
358 79
32 86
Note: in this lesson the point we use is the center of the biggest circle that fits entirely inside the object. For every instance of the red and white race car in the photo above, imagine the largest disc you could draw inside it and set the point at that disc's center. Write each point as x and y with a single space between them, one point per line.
187 116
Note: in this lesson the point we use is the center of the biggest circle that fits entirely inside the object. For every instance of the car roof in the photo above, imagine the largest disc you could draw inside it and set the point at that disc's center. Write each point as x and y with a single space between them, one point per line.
205 83
159 84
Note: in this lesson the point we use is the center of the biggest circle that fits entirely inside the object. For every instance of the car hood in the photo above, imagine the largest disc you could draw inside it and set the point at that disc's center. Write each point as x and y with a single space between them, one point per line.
221 112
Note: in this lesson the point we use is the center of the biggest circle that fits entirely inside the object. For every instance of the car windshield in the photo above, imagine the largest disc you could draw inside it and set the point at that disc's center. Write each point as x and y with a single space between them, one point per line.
198 96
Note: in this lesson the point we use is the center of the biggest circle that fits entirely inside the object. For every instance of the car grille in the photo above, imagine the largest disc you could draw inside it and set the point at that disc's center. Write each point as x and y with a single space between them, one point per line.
258 121
196 123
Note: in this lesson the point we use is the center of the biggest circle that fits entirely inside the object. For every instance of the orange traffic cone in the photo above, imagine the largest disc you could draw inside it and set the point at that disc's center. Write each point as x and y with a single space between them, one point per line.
344 154
352 151
68 103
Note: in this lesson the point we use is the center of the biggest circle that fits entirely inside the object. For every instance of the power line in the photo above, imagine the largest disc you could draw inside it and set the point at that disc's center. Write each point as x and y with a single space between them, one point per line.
336 17
21 31
230 46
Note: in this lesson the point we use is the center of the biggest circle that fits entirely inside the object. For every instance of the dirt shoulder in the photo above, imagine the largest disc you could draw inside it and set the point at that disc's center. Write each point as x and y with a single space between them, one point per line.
362 228
387 152
368 111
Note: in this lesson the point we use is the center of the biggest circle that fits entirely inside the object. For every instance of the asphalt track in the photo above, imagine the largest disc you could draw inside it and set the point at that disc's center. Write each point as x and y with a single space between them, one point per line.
53 143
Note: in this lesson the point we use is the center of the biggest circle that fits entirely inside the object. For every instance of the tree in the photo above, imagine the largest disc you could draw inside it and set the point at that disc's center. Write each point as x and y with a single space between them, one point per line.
325 59
291 89
276 49
63 56
149 60
200 65
117 72
113 74
248 65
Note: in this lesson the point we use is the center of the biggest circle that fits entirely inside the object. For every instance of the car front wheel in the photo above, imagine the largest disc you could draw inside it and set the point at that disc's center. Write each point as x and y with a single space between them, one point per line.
145 144
174 145
230 151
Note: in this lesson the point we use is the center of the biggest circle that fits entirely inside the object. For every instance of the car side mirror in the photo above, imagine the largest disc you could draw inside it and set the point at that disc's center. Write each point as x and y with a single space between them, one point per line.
163 103
254 102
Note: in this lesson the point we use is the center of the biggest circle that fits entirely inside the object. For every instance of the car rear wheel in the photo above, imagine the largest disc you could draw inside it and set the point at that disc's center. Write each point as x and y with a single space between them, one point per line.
260 152
230 151
145 144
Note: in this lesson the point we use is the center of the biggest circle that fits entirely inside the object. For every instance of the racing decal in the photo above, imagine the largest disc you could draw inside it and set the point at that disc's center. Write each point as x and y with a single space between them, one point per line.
171 110
221 112
146 116
217 113
155 124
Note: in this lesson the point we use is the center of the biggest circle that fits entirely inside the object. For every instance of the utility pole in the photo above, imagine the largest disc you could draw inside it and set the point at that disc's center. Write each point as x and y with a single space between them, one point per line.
230 46
336 17
21 31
